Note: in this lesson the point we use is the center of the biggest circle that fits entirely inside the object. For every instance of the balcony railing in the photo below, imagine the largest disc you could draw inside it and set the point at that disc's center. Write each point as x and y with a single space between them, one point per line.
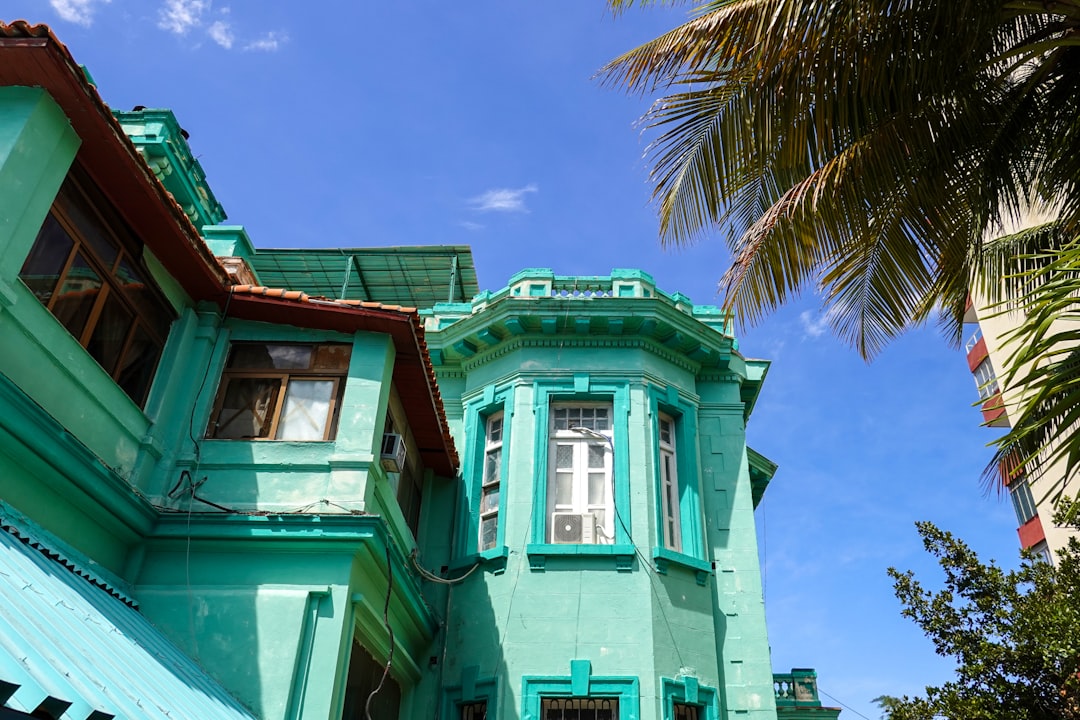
797 688
973 340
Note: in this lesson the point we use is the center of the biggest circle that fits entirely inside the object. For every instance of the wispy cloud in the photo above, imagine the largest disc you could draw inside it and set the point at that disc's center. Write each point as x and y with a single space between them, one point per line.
220 32
471 226
503 199
268 43
80 12
815 326
179 16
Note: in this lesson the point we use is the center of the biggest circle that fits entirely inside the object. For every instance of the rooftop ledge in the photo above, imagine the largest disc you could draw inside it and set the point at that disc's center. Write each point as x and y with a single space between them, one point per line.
540 283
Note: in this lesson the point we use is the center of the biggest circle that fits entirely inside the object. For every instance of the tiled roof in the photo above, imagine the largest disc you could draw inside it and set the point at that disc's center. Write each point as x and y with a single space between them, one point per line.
30 55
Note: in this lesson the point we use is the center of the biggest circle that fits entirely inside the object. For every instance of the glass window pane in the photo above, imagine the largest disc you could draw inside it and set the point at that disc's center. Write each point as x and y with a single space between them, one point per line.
77 296
138 365
495 430
110 332
665 431
474 711
90 227
46 260
596 455
306 411
489 532
597 488
259 356
248 408
491 465
560 419
564 457
490 499
564 488
332 357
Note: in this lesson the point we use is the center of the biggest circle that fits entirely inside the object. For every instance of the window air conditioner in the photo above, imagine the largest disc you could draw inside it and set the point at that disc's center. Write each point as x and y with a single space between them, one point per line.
572 528
393 453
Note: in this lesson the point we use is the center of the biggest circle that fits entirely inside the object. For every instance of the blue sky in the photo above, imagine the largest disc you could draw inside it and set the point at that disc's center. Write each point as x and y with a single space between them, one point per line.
397 123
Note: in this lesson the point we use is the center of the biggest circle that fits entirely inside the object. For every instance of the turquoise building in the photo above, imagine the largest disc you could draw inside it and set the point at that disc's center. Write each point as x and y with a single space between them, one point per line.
345 483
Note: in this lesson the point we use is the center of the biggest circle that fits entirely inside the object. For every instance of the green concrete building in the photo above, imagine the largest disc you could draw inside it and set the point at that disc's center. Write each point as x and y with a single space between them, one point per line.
345 483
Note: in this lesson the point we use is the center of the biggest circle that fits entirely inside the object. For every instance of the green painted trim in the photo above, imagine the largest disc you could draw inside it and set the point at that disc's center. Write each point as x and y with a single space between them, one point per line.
569 389
471 689
668 401
662 558
111 501
689 690
312 611
491 400
540 553
580 683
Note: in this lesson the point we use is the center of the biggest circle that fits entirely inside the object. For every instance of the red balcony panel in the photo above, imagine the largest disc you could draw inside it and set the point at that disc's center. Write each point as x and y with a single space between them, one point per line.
977 354
993 411
1031 533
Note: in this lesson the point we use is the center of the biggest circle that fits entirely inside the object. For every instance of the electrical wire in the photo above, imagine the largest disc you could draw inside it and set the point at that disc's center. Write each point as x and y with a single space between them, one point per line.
846 707
389 630
428 575
649 570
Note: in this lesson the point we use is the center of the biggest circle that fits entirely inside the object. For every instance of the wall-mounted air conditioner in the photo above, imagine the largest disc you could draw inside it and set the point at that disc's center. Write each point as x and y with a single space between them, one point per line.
392 457
574 528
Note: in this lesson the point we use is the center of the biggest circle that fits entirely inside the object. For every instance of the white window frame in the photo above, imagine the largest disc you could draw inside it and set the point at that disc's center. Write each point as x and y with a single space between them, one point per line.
583 443
986 380
494 432
671 532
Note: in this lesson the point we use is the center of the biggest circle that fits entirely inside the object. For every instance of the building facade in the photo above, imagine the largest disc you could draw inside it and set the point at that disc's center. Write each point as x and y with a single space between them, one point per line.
1033 498
239 483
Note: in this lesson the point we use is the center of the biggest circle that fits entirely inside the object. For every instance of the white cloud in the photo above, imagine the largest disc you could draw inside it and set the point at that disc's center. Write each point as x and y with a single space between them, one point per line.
179 16
77 11
221 33
471 226
268 43
503 200
815 326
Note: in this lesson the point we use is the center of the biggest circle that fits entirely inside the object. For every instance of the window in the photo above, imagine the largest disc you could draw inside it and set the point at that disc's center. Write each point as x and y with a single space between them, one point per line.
1023 502
473 711
669 486
490 482
579 497
280 392
685 711
986 380
85 267
579 709
685 698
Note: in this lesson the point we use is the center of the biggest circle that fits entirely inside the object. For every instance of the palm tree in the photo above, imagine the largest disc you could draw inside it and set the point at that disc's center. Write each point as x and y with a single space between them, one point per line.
869 149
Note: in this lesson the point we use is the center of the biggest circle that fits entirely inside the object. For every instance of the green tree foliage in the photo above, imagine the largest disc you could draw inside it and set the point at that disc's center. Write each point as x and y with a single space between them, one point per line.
1015 636
869 149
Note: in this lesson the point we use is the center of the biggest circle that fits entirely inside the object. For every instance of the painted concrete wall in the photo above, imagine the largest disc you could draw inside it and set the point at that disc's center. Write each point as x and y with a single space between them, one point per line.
268 606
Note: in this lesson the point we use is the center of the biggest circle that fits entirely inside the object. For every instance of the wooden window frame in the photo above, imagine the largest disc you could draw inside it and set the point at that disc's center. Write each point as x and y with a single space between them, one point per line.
581 442
284 376
671 532
78 192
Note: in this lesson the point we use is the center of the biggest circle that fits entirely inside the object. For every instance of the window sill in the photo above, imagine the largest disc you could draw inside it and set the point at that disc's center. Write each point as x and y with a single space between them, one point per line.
540 553
493 560
663 558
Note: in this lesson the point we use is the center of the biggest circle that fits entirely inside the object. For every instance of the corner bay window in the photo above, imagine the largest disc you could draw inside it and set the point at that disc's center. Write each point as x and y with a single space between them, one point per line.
580 508
85 267
490 483
280 392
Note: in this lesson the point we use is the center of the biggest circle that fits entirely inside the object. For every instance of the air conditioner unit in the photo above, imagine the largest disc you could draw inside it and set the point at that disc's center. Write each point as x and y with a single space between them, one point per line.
572 528
392 458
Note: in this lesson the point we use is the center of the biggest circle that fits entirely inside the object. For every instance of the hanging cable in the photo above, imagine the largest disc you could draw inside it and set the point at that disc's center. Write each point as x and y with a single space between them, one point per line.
428 575
389 631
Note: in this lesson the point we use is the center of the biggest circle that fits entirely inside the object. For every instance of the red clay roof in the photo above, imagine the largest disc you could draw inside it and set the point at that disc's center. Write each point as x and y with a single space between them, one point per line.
31 56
